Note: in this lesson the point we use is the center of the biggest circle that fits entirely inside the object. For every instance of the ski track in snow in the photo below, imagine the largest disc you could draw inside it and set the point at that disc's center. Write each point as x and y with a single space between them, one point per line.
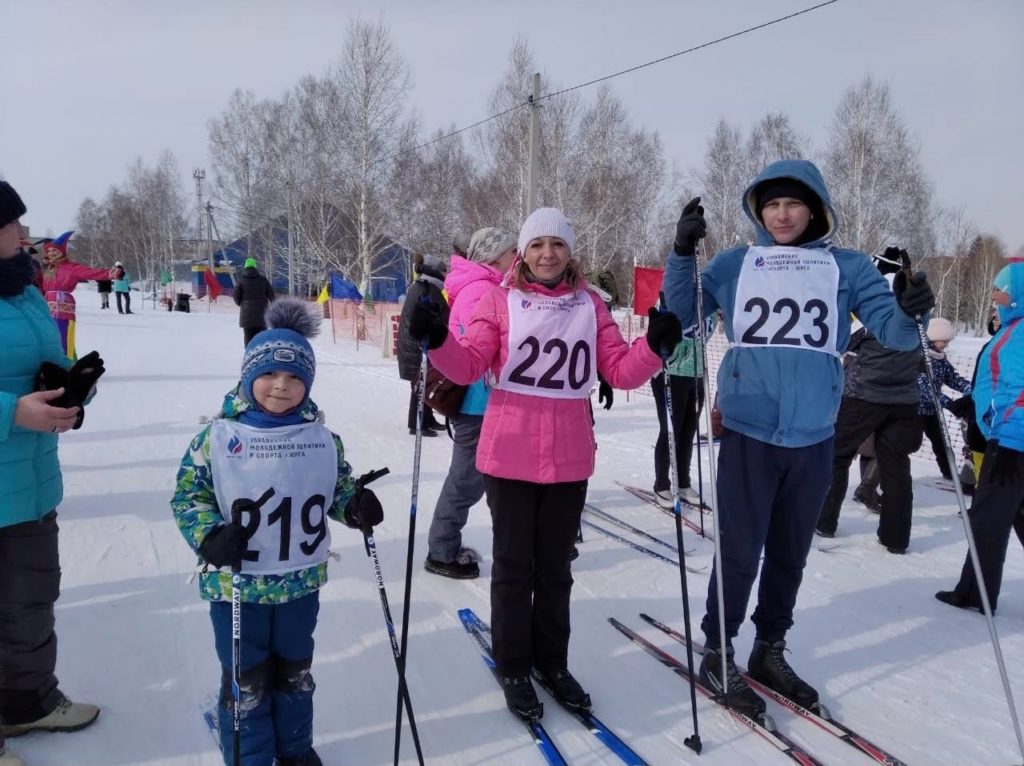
910 673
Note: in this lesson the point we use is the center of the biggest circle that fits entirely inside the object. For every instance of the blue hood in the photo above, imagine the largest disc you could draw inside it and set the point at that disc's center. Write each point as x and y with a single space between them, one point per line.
806 173
1016 308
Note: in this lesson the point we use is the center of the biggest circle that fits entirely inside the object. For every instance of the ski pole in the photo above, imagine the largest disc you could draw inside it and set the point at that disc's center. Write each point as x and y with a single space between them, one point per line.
972 548
236 649
712 468
371 551
693 742
417 452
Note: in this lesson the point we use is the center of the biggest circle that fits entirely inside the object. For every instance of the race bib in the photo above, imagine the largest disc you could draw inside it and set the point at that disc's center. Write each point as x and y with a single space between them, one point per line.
290 473
552 345
787 297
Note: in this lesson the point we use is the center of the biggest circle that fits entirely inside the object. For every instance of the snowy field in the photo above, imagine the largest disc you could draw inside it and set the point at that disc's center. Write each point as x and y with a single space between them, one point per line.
910 673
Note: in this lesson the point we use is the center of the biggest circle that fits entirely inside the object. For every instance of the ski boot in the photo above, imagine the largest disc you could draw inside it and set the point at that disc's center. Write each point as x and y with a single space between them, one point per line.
740 696
768 665
566 689
309 759
521 697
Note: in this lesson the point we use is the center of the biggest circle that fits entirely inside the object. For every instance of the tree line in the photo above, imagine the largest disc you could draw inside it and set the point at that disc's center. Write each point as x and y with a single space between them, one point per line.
342 157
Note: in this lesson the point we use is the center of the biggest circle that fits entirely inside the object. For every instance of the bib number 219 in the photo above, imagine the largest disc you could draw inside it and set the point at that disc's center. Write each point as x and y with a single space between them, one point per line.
312 517
783 317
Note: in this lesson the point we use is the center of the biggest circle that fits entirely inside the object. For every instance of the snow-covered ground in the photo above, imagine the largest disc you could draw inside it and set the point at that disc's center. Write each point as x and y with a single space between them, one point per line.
914 675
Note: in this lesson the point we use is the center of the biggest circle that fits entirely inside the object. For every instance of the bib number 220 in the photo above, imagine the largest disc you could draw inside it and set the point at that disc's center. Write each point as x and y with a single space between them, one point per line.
789 314
554 377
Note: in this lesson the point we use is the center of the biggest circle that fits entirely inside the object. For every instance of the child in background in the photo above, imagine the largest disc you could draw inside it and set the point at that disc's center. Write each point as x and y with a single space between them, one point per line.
940 334
267 460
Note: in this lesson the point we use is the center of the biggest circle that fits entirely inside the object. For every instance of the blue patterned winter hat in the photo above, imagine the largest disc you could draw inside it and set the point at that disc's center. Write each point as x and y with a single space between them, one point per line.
283 346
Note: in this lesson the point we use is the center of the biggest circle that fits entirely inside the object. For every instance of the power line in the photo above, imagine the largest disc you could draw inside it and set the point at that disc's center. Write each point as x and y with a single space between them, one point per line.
607 77
689 50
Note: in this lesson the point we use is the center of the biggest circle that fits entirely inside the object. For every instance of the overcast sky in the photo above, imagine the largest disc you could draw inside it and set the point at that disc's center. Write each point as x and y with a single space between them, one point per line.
88 86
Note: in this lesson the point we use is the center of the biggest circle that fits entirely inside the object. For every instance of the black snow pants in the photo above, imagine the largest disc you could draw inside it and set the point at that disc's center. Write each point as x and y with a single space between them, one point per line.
535 528
29 586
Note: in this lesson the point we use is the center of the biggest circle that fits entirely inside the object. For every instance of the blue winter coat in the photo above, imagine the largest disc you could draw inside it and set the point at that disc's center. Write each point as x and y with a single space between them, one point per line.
788 396
30 480
999 385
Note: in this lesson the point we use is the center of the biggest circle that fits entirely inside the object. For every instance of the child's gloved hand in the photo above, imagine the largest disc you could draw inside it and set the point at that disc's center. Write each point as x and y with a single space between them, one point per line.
224 546
364 510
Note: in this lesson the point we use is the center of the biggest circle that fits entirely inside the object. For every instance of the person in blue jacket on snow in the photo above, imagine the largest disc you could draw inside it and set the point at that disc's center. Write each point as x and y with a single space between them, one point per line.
786 305
999 406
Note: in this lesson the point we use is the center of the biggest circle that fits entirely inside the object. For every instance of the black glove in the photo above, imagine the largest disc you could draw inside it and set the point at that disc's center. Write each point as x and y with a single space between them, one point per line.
85 372
51 377
425 323
605 393
915 295
225 546
1005 464
364 510
690 228
963 407
663 332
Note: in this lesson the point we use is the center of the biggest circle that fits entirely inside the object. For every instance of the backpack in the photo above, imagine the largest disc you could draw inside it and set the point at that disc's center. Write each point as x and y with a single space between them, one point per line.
443 396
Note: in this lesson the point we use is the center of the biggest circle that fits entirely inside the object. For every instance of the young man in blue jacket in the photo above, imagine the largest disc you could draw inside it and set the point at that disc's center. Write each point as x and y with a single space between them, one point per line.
786 305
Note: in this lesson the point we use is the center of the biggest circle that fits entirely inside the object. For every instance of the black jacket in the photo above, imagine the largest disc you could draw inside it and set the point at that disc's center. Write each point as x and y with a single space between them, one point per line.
408 349
880 375
253 293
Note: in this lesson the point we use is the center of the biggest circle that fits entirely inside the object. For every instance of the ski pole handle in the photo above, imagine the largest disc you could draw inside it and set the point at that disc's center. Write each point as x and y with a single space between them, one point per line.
371 476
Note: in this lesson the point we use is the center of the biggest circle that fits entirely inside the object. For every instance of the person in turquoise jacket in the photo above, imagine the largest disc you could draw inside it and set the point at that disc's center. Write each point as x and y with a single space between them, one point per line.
786 303
999 412
30 490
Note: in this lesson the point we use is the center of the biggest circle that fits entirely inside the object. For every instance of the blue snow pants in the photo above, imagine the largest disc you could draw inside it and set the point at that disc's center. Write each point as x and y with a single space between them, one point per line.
769 498
276 685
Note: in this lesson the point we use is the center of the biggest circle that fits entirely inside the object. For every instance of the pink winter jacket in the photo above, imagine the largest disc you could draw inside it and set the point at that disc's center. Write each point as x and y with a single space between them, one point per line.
536 438
59 283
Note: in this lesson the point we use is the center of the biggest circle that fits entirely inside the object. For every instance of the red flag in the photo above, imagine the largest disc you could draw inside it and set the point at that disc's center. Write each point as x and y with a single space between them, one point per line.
646 286
213 287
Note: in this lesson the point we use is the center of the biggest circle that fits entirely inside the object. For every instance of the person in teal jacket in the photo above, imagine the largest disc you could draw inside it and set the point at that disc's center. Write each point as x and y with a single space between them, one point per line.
786 304
30 490
999 412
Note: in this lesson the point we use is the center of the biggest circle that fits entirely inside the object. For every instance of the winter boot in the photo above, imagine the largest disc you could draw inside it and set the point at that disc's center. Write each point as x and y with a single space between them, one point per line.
309 759
566 689
521 697
67 716
740 696
768 665
454 569
869 498
953 598
663 497
7 758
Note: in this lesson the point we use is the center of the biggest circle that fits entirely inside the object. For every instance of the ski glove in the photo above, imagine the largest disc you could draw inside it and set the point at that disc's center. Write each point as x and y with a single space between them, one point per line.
914 295
962 408
605 393
364 510
225 546
664 331
425 323
690 228
1005 465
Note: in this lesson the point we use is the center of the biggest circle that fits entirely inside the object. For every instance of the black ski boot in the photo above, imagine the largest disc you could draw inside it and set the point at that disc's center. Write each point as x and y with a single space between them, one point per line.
740 696
566 689
521 697
768 665
309 759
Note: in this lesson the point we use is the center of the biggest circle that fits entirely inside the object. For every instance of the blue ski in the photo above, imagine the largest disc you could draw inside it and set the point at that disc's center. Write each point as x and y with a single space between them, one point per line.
638 547
541 738
609 738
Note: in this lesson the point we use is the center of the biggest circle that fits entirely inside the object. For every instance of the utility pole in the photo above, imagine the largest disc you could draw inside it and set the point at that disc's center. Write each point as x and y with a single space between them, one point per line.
532 172
291 248
209 249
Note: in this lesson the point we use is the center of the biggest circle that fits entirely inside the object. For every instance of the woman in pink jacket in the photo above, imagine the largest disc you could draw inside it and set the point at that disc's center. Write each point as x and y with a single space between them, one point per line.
60 278
544 336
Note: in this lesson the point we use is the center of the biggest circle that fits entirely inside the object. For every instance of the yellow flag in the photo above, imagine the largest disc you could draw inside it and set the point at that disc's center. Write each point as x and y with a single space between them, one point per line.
324 296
